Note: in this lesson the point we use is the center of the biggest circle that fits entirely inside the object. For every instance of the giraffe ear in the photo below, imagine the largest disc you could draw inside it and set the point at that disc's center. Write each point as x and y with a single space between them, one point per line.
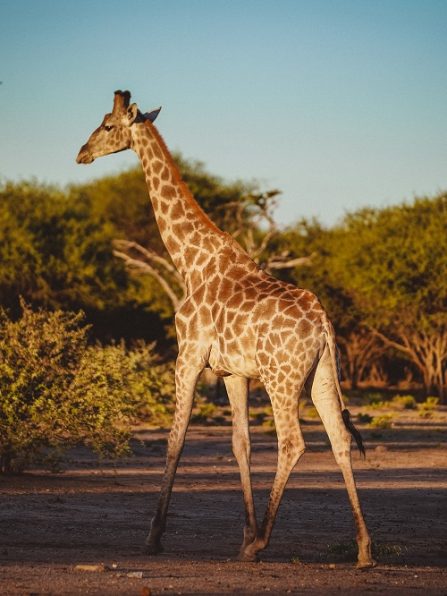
132 113
152 115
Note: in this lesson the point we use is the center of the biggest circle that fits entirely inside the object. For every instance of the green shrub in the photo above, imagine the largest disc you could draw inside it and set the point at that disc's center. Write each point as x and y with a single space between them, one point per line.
374 397
379 405
364 418
150 383
311 412
204 411
430 403
258 417
408 402
384 421
345 551
269 424
56 391
427 407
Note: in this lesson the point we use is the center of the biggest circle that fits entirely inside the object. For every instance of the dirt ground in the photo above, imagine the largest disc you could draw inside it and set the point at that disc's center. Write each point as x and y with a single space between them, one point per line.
98 515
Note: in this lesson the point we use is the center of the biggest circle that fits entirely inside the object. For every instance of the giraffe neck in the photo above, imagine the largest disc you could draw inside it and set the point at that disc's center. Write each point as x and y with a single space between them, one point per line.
190 237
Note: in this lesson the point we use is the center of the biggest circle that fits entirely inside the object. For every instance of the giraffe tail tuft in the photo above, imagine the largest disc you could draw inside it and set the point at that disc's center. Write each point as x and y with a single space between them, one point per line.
354 432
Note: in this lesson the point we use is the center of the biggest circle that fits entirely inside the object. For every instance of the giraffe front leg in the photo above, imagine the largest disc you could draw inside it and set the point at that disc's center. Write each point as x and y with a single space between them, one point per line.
290 448
237 389
185 382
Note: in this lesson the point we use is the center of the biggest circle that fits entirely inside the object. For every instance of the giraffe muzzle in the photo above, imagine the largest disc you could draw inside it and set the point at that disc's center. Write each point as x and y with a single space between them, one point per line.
84 155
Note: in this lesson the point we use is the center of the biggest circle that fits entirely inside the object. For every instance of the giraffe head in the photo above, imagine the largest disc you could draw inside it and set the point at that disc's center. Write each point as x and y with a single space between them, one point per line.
115 131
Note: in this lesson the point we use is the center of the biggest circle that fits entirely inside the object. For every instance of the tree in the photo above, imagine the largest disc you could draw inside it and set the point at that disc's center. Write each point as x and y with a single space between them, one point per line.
56 251
393 263
53 251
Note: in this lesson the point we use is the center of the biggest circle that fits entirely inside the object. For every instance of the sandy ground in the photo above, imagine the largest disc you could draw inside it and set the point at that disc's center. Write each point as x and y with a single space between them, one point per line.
98 515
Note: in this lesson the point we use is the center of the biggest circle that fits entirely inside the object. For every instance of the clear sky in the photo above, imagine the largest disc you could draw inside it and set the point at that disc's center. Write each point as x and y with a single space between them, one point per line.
338 103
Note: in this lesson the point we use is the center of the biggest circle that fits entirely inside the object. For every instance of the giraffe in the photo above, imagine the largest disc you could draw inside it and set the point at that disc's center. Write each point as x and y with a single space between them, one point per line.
243 324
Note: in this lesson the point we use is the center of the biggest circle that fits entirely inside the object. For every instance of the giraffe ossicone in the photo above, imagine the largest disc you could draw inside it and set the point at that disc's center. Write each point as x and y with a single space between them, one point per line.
241 322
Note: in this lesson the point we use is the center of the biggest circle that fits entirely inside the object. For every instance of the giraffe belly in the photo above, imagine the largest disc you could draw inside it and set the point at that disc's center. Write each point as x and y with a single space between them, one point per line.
236 363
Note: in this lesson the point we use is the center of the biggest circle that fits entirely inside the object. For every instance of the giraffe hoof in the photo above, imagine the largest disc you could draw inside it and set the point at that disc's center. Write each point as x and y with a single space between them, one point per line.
248 557
153 548
368 564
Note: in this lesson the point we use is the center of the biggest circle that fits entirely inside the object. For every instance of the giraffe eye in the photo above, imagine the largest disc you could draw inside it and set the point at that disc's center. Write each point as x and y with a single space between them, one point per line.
108 127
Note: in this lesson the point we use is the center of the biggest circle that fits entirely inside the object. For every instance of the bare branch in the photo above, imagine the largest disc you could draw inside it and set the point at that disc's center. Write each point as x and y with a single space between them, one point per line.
147 253
145 267
265 240
391 343
276 263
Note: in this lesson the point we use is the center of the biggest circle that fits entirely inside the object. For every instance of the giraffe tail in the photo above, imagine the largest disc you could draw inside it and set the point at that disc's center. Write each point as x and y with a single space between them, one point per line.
354 432
330 337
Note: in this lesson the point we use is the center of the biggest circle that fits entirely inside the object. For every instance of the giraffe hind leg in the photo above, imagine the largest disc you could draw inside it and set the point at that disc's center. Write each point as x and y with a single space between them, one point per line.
327 402
237 389
290 448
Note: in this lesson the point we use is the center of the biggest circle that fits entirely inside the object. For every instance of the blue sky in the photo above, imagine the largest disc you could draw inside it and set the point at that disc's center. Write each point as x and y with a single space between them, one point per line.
340 104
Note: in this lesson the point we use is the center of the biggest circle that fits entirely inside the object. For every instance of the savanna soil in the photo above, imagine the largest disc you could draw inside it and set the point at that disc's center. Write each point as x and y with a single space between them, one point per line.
98 515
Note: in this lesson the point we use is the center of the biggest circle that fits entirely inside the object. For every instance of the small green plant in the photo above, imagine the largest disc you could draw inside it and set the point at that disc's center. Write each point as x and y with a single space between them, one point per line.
269 424
311 412
364 418
427 407
345 551
204 412
264 417
386 550
379 405
426 413
260 415
407 402
382 422
374 398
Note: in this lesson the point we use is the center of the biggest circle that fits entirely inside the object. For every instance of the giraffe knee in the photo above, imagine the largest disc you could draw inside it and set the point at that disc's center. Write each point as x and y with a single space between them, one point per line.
342 456
240 445
292 447
342 448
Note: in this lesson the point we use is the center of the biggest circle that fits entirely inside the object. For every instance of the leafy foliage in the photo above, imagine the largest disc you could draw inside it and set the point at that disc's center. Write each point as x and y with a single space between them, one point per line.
397 262
393 262
407 402
54 251
56 390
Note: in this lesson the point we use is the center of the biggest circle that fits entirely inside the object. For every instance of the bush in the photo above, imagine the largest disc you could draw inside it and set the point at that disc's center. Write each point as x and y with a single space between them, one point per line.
204 412
408 402
364 418
374 397
56 391
384 421
427 407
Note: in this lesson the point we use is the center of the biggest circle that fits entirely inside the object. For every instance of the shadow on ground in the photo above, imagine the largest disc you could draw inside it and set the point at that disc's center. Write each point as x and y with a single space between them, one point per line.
98 514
